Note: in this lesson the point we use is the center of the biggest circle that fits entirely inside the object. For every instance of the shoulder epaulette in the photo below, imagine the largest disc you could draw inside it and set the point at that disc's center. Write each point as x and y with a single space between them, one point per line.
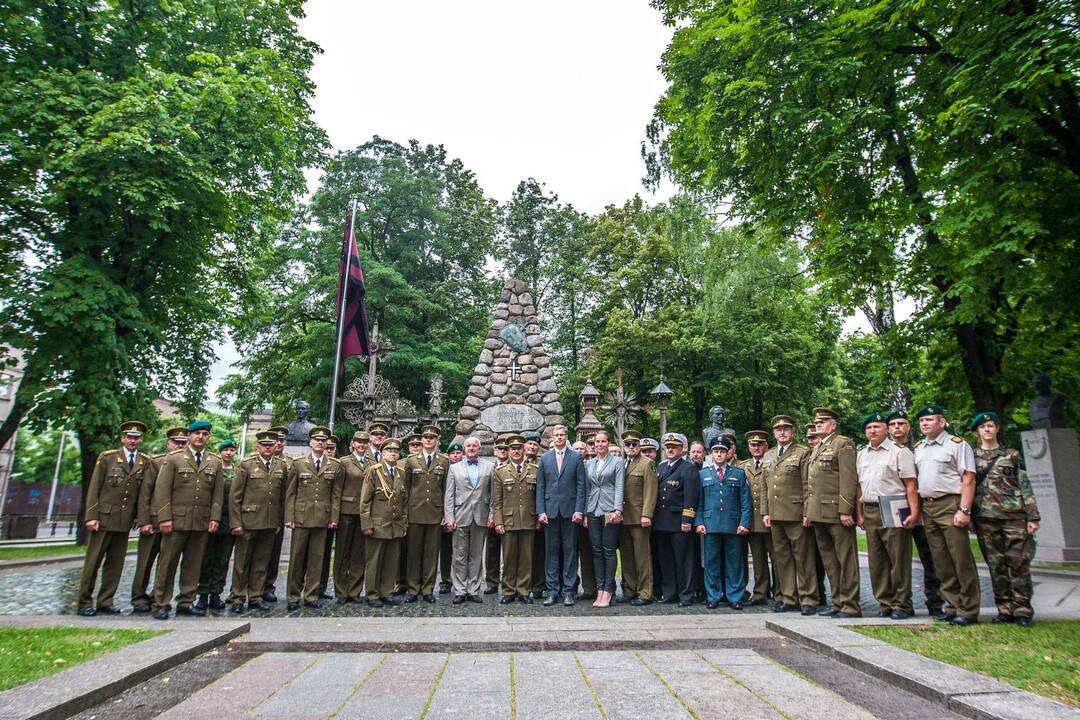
335 460
178 450
211 453
160 455
956 439
918 443
114 451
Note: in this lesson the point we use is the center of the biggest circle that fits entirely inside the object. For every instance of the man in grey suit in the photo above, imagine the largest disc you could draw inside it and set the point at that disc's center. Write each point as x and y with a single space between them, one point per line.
467 508
560 508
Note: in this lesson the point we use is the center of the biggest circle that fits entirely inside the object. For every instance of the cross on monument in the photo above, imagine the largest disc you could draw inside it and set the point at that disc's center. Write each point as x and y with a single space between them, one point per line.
622 405
513 371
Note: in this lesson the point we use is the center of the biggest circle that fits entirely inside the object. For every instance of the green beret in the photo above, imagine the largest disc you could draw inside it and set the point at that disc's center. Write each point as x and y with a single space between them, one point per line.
455 446
199 425
895 416
929 410
531 437
227 442
988 416
874 417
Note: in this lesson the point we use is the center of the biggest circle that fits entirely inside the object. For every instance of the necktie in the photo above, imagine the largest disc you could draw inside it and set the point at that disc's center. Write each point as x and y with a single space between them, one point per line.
267 466
131 460
429 462
391 473
558 461
318 464
780 452
378 456
518 469
757 465
198 459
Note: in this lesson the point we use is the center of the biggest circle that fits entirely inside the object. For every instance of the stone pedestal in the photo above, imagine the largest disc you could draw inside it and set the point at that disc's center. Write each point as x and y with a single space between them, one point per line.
295 451
513 386
1052 457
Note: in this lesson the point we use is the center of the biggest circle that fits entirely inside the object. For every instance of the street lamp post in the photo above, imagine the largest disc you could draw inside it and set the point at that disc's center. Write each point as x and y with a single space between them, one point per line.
662 394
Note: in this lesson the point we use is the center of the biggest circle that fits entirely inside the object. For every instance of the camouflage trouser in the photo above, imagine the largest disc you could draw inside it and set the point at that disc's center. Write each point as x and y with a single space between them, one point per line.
1008 549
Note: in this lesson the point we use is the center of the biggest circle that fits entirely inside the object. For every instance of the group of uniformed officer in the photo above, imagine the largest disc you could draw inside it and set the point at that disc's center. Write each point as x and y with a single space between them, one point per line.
792 508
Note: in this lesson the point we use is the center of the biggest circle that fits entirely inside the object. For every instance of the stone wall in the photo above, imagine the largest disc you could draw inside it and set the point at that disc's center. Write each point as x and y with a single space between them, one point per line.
496 404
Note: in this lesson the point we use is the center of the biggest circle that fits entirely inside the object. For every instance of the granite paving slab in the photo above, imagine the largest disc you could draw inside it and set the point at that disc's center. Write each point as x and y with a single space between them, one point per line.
398 687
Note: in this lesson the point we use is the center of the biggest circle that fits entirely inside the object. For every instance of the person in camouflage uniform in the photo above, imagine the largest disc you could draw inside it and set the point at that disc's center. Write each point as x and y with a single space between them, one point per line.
219 546
1006 518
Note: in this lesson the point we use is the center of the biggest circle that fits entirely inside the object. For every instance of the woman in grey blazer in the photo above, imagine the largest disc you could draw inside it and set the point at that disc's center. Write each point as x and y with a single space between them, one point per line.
604 478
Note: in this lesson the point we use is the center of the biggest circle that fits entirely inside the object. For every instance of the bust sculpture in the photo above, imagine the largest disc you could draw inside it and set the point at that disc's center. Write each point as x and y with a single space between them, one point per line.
298 429
716 428
1047 409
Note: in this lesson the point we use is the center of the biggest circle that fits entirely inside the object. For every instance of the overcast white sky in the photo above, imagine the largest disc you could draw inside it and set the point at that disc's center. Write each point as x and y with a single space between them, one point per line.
559 90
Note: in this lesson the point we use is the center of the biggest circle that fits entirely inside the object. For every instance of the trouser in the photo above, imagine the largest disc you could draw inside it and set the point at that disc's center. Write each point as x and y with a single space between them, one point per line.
492 563
840 556
381 567
468 566
698 580
539 581
183 548
305 564
931 584
888 551
517 549
250 561
760 546
560 551
273 565
422 550
637 576
953 561
349 559
149 549
676 554
108 548
604 539
328 554
585 561
1008 549
215 564
793 554
731 583
446 560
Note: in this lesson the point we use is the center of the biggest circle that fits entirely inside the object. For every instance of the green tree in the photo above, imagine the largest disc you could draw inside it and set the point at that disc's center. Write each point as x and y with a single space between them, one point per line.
146 150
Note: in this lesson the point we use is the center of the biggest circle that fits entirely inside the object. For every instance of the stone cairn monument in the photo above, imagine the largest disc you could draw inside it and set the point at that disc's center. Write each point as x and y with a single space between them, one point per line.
512 388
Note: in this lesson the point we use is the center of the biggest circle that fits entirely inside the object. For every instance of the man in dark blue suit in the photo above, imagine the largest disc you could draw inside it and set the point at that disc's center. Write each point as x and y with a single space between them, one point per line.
675 511
560 507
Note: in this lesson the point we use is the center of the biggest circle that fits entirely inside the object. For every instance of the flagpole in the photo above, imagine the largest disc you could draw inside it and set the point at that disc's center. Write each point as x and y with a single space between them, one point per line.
341 315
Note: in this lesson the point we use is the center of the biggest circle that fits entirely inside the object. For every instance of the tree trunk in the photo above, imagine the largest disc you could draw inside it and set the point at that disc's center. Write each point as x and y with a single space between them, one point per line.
88 457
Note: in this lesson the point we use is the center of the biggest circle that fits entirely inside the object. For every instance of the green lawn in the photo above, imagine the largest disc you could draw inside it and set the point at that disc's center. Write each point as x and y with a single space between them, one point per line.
48 551
1044 659
861 540
27 654
1068 567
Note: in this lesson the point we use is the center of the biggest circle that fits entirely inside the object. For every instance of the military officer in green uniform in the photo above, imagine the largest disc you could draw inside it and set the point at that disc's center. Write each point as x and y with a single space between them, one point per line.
946 467
219 547
425 473
331 534
188 497
811 436
274 564
255 519
1006 519
514 511
412 443
832 480
384 518
349 560
149 537
312 504
493 549
783 510
639 503
532 456
759 540
111 504
377 432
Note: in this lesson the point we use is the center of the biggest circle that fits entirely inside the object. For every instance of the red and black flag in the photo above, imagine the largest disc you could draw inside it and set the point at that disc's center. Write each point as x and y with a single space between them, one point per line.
354 331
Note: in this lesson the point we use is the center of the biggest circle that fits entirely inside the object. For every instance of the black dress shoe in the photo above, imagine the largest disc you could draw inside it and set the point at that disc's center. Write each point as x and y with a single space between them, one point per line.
410 598
899 614
161 614
314 604
667 600
962 621
883 613
109 609
945 617
458 599
807 609
236 608
377 602
141 607
87 611
640 601
215 602
538 594
393 600
712 604
525 599
293 606
1002 618
445 588
736 605
261 605
270 597
686 603
475 599
568 600
1025 621
507 599
429 598
491 590
938 614
826 612
760 601
841 615
193 610
550 600
784 607
326 595
343 600
200 603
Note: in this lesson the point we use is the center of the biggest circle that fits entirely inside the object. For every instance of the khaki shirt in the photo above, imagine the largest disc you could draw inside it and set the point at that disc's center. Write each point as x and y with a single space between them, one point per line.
785 483
384 503
882 470
831 480
311 498
513 496
113 495
639 490
352 482
427 487
756 480
189 494
941 463
255 495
